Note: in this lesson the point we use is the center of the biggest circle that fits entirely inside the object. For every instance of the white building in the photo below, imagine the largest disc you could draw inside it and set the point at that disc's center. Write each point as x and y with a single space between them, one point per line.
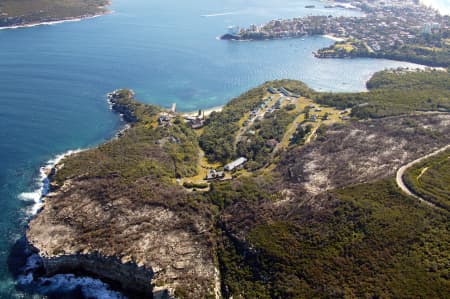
235 164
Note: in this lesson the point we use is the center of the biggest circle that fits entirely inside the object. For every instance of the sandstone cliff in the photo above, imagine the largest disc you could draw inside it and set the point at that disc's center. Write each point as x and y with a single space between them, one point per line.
125 220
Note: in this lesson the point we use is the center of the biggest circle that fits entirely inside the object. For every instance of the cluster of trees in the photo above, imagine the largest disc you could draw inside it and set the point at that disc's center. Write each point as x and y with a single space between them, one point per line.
417 54
218 136
393 93
220 131
300 134
142 151
265 135
426 49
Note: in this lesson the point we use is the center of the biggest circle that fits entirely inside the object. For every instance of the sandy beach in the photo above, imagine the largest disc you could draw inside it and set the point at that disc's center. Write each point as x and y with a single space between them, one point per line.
77 19
337 39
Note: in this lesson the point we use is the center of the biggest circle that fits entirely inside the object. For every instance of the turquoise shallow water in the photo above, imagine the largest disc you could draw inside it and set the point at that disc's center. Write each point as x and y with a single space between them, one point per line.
54 80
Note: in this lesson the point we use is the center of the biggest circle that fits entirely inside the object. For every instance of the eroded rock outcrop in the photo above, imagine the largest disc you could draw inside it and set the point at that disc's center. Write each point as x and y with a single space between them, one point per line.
115 212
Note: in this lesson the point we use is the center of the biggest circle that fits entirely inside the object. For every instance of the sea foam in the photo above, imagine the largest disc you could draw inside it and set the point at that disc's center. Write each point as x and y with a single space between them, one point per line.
42 183
64 284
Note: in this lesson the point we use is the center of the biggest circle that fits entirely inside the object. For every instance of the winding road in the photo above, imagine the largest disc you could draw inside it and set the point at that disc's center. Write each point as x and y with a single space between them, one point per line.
401 171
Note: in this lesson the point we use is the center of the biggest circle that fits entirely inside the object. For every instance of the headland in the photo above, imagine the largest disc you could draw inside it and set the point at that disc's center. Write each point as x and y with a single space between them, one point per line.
283 182
26 13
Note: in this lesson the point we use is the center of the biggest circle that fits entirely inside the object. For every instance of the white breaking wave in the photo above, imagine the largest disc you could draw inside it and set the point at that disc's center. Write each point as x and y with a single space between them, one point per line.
64 283
43 182
90 287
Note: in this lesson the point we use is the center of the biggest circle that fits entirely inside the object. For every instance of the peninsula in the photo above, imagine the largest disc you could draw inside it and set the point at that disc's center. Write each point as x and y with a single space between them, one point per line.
400 30
284 193
22 13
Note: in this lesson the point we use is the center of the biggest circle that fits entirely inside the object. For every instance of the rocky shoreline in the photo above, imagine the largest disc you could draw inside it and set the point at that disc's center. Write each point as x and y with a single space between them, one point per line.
77 232
119 211
122 274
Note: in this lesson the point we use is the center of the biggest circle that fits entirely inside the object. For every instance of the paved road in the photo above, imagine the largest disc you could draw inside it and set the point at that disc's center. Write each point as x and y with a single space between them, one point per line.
401 171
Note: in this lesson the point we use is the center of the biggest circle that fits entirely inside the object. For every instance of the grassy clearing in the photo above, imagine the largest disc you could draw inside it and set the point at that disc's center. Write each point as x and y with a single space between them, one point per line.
347 47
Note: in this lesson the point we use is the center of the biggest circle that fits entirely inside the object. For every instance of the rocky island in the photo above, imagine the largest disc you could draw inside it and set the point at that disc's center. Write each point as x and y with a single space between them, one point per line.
400 30
21 13
311 210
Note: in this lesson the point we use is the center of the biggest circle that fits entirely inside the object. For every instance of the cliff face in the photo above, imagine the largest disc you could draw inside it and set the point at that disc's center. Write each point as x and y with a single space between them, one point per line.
136 246
128 276
115 212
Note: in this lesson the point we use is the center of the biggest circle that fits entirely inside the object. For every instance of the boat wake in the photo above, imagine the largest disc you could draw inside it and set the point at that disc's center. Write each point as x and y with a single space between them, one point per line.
221 14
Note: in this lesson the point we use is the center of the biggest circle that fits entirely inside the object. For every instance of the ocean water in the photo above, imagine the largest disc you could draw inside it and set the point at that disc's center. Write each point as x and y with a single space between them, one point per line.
54 80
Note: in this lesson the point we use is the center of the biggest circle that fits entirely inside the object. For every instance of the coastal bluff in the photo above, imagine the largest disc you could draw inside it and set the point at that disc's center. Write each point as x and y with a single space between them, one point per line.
316 196
109 218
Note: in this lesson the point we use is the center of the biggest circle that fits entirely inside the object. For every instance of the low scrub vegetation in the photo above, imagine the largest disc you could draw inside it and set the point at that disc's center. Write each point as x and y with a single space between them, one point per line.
19 12
371 242
394 93
431 179
219 135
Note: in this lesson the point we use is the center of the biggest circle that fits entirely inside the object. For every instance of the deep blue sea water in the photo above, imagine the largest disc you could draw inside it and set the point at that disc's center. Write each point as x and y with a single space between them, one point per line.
54 80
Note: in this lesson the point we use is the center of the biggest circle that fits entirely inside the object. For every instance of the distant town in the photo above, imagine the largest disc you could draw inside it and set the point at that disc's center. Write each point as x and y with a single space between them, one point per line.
386 27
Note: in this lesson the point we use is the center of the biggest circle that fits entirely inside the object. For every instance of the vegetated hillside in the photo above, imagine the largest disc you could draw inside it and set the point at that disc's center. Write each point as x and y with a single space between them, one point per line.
431 53
285 236
365 241
219 134
119 199
431 50
325 219
22 12
329 221
363 151
394 93
391 93
430 179
256 147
